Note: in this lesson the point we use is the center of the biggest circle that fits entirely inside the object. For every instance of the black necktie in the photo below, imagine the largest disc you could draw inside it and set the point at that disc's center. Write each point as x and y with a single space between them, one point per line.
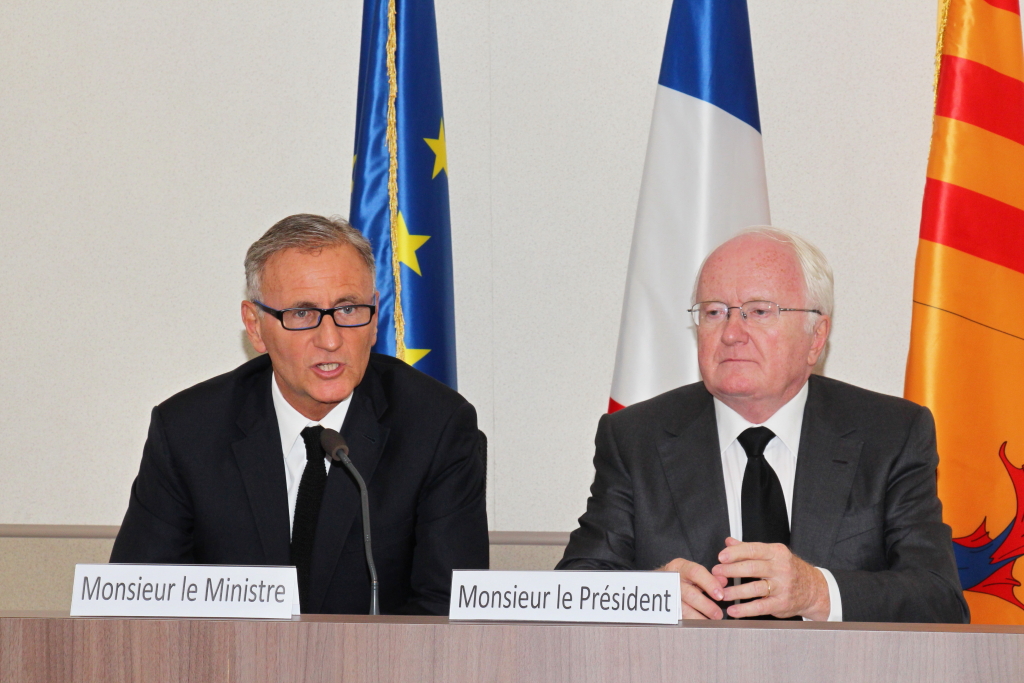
307 509
765 519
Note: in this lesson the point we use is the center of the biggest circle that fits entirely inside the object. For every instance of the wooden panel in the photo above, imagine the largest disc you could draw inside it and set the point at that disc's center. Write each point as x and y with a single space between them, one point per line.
37 561
107 531
356 649
36 649
525 557
58 531
36 573
559 538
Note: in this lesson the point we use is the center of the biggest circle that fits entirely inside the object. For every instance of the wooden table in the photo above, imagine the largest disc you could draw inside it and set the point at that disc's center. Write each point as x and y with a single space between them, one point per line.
47 646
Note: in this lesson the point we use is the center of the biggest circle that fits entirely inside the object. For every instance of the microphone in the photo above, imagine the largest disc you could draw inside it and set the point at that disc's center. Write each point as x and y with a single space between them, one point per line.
335 446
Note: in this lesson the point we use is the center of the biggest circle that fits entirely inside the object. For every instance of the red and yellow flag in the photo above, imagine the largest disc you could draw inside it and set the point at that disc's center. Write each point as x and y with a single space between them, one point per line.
966 358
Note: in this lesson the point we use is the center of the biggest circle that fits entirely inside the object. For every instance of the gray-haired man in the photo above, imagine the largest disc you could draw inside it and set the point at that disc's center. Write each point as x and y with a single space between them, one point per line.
233 473
805 496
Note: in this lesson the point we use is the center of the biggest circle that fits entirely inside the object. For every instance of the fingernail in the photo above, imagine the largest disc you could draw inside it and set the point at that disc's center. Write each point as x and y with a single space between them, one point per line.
718 595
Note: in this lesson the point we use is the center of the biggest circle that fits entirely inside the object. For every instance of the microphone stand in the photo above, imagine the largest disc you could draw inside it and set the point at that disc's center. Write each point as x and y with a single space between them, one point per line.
335 445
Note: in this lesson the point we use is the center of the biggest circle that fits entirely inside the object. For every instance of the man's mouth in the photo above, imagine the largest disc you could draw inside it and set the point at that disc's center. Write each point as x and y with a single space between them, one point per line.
327 367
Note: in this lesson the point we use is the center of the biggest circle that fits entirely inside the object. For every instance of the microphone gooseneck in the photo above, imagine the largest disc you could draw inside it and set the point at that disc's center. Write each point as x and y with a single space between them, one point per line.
335 446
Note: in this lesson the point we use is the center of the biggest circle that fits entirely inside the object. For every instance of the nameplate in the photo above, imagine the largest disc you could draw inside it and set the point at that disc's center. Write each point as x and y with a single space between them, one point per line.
166 590
584 596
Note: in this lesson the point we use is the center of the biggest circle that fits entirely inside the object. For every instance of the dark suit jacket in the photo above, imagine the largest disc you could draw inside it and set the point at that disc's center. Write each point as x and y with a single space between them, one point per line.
864 500
211 488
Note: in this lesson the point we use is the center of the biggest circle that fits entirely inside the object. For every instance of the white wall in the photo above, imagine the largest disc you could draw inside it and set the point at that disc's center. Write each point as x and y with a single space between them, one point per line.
144 145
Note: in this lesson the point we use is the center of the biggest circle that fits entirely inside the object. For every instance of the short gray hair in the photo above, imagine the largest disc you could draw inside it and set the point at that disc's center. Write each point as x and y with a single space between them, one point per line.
818 280
302 231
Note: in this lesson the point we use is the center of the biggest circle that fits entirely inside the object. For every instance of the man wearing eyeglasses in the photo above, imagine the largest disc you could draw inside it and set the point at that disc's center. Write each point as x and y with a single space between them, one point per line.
233 471
773 493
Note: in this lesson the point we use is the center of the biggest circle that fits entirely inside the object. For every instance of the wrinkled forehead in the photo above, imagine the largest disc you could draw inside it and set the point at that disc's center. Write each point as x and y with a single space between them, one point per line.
330 266
752 267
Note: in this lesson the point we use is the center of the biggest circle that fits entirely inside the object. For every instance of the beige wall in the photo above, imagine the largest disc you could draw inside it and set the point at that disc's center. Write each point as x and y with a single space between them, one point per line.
145 145
36 573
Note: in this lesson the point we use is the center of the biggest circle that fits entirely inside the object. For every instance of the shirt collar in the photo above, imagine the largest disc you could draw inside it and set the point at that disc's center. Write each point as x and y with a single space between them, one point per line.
291 422
786 422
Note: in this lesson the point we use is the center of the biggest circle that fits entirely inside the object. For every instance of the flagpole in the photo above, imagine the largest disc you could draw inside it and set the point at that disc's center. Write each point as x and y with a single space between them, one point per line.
392 140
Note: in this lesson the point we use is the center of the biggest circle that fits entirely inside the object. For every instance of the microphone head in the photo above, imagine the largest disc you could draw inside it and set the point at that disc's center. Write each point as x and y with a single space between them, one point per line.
334 444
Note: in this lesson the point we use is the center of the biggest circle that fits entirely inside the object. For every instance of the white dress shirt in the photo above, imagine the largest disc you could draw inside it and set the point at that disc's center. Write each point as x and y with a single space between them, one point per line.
781 453
290 424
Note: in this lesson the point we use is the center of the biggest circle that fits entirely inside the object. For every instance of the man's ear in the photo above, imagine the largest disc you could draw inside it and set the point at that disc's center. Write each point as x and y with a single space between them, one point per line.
820 336
251 319
376 317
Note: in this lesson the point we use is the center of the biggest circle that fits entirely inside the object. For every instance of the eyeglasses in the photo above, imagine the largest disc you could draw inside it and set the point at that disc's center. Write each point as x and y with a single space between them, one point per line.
711 313
349 315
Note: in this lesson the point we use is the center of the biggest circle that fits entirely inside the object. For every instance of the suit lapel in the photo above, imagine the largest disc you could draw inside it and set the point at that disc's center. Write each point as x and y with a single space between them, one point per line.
259 459
692 462
340 507
825 469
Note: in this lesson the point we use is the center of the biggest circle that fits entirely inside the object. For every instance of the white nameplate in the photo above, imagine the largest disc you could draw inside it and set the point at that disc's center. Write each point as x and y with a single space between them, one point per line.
190 590
621 597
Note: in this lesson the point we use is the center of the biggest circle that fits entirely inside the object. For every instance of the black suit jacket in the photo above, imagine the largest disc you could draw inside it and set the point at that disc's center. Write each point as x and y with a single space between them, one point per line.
864 500
211 488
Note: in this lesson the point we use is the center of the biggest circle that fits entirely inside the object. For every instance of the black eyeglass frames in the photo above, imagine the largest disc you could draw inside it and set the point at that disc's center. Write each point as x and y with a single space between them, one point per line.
347 315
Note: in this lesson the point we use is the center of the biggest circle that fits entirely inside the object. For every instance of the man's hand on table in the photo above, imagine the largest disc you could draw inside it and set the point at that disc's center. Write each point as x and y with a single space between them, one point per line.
695 585
796 588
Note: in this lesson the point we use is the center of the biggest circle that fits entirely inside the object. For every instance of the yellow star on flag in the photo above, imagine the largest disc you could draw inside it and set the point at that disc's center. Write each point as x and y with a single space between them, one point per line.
407 246
440 152
414 356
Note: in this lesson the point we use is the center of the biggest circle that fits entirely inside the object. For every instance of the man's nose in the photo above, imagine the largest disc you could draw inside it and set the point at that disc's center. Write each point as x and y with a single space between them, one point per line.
328 335
734 331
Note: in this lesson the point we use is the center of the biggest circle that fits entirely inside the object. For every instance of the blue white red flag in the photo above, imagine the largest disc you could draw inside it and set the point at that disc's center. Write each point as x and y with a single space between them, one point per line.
400 184
703 181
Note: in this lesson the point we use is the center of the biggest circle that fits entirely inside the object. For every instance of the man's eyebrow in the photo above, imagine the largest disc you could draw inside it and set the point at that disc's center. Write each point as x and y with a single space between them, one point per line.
349 299
340 301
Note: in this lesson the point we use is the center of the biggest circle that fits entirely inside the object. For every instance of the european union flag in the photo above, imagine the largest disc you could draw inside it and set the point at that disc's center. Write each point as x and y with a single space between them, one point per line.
400 184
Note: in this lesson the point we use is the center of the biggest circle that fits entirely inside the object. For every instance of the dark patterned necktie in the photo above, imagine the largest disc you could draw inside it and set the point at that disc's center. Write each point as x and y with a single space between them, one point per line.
307 510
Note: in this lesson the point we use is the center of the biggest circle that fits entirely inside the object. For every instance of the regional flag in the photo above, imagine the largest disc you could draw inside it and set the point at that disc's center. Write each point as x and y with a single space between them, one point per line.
703 181
966 358
400 184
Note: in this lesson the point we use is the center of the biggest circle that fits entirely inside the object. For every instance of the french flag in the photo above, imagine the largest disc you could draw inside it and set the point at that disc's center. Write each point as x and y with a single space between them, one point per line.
703 182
